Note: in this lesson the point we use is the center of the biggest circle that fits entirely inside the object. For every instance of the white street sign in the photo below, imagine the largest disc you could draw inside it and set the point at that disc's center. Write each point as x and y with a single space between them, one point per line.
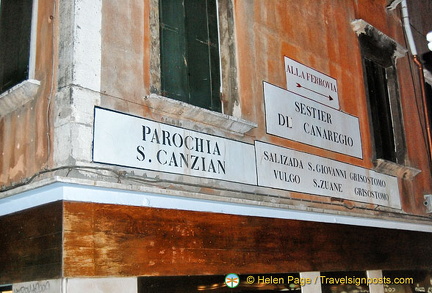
311 83
293 117
130 141
287 169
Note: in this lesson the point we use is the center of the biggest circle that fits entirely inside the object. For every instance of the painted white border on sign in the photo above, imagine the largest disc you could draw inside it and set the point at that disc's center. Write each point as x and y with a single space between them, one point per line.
287 169
126 140
293 117
311 83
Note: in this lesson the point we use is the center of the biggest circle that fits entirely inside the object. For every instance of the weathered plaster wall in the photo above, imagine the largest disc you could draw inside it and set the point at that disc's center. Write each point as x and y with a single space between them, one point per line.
319 34
25 134
104 54
123 50
99 53
421 23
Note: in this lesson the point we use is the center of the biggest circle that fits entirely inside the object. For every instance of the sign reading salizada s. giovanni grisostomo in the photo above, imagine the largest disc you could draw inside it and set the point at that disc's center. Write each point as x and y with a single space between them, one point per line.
287 169
136 142
130 141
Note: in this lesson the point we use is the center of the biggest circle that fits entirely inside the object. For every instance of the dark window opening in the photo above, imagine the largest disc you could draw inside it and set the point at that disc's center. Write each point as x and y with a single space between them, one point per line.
189 45
380 111
408 281
15 30
217 283
6 289
387 130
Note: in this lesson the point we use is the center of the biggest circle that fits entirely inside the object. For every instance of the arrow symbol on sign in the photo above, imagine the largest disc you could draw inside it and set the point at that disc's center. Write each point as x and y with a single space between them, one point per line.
328 97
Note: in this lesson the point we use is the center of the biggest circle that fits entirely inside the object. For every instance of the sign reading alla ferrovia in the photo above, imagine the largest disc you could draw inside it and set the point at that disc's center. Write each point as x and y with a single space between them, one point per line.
310 83
131 141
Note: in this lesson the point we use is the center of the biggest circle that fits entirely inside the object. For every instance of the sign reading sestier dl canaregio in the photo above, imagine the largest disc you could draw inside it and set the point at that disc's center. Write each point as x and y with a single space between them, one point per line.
291 116
131 141
311 84
287 169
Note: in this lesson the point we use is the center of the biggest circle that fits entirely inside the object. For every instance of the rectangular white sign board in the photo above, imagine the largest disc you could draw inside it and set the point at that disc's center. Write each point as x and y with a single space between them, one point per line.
287 169
293 117
311 83
131 141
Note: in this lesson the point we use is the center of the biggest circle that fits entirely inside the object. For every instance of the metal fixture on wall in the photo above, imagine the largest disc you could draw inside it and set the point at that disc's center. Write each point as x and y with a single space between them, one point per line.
428 202
413 49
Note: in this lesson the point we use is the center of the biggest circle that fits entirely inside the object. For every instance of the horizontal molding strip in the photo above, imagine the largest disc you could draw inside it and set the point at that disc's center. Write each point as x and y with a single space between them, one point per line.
83 193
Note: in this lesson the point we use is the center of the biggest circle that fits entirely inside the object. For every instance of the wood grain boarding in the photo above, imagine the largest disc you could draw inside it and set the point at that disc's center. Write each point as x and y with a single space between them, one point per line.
111 240
31 244
133 241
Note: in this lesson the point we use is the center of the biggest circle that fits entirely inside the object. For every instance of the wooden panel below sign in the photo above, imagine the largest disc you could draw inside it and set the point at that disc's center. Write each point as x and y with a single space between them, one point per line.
115 240
31 244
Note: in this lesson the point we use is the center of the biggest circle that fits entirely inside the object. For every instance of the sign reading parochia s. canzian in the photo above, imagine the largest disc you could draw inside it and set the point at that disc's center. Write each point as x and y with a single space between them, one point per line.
130 141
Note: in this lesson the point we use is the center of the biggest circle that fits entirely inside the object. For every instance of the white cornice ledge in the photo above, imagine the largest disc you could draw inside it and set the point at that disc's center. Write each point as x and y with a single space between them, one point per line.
360 26
394 169
18 96
184 111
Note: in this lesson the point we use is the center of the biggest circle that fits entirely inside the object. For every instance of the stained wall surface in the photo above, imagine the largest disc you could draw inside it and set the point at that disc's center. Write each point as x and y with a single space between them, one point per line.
105 54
